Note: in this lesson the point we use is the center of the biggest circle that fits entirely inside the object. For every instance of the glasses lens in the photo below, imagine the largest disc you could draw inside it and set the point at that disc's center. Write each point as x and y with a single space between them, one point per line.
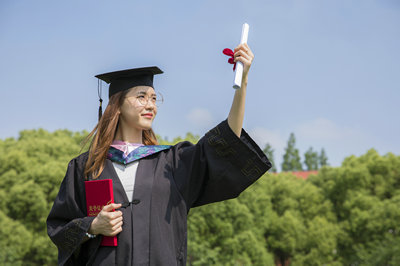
142 99
157 99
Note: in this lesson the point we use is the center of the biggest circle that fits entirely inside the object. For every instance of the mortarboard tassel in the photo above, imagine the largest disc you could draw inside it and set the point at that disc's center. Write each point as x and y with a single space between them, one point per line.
100 109
99 89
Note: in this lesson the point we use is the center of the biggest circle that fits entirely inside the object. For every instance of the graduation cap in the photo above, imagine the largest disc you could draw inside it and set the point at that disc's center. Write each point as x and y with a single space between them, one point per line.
126 79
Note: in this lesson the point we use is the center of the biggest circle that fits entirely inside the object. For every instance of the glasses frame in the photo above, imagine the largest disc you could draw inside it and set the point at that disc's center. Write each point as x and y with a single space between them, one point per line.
159 99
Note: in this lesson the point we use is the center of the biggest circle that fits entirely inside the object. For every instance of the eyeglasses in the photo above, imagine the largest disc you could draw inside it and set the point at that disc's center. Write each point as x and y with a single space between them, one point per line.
143 99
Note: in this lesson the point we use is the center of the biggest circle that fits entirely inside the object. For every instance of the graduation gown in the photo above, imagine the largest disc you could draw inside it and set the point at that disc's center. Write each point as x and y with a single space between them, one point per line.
168 183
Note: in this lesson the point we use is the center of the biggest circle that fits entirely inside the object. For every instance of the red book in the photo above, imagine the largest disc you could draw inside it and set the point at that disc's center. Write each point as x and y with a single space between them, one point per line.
98 194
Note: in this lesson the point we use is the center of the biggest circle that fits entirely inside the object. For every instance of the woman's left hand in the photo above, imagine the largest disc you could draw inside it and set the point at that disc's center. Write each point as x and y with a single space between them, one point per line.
244 54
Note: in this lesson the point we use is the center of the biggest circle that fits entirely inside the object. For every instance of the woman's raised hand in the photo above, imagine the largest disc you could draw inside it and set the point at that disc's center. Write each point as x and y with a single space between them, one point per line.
107 222
244 54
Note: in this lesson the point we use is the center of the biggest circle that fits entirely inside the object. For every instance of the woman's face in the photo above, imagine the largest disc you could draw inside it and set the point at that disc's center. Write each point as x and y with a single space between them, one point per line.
139 109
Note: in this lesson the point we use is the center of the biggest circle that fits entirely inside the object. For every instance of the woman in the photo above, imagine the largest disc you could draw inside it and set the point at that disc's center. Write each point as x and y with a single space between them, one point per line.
157 186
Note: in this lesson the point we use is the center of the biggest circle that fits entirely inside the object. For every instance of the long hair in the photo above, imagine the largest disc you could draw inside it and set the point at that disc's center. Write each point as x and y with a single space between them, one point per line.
104 133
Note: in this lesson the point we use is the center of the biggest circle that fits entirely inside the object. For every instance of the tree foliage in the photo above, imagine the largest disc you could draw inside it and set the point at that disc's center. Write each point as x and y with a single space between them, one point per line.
291 158
322 159
311 159
347 215
31 170
365 193
269 152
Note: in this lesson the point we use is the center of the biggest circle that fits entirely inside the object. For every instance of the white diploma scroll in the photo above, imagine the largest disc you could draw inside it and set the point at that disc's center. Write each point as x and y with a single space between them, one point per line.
237 82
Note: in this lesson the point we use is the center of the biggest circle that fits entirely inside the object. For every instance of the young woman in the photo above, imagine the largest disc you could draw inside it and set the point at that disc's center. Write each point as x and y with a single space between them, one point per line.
154 186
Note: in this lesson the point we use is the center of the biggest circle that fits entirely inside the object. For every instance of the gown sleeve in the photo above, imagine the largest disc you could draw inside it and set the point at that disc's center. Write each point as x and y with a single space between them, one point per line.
67 222
219 167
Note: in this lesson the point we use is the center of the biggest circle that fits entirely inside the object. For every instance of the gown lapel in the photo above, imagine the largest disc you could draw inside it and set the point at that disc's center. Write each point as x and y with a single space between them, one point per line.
123 252
141 212
139 207
119 192
137 214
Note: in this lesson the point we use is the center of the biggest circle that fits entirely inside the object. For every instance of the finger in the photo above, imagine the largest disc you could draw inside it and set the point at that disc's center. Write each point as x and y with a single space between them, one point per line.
244 61
116 232
118 225
110 207
115 215
240 47
248 57
247 47
115 221
249 51
242 54
108 216
242 51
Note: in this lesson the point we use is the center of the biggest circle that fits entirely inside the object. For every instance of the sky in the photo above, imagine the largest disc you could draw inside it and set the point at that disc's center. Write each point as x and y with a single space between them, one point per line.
328 71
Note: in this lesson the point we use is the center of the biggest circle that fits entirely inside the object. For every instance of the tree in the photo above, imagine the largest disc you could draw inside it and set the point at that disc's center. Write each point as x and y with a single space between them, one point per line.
300 226
311 159
365 193
322 158
346 215
224 233
291 158
269 152
15 241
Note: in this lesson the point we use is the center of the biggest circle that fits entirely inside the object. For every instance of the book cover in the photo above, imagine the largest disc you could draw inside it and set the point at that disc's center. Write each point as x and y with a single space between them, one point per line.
98 194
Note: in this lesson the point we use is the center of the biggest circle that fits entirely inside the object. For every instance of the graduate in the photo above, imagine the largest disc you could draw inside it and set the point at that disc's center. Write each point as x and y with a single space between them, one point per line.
154 185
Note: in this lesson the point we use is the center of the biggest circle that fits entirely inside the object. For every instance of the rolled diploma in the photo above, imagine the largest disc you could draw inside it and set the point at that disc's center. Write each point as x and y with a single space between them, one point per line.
237 82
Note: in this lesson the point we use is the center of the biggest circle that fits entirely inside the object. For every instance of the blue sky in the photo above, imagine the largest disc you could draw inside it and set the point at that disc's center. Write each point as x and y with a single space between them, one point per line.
329 71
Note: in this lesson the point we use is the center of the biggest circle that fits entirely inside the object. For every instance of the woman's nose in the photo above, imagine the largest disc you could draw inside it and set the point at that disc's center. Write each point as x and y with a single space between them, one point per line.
149 104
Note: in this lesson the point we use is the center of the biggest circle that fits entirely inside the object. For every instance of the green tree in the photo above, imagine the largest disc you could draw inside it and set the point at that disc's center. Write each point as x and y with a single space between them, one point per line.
15 241
300 227
291 158
269 152
225 234
346 215
365 193
322 158
31 169
311 159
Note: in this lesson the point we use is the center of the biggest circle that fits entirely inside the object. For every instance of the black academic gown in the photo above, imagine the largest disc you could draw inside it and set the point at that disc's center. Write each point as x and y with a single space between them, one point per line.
219 167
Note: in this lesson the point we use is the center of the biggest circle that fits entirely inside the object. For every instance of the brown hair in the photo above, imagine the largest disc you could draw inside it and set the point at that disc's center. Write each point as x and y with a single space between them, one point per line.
103 135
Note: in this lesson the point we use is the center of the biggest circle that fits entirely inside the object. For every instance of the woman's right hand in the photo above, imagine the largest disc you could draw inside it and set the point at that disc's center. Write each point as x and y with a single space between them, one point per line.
107 222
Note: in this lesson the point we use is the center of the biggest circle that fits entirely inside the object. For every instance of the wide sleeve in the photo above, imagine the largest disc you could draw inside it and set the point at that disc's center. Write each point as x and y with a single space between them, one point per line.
219 167
67 222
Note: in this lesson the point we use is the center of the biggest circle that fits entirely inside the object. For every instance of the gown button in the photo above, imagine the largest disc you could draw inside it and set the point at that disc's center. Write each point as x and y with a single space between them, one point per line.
136 201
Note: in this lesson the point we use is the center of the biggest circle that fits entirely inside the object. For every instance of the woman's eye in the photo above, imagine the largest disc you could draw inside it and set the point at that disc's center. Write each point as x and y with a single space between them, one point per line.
140 96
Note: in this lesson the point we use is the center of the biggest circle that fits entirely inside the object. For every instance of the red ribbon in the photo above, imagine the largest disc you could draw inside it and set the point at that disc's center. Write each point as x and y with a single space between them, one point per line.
230 53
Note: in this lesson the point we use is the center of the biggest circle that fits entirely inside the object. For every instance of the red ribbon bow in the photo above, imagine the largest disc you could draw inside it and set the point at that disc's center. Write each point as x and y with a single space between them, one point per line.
230 53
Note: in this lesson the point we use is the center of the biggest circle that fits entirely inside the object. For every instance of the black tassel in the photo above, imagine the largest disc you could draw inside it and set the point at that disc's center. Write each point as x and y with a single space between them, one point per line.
100 109
99 91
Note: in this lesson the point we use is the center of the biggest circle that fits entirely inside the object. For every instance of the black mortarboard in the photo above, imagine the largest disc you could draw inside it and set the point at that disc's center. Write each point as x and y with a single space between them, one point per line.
126 79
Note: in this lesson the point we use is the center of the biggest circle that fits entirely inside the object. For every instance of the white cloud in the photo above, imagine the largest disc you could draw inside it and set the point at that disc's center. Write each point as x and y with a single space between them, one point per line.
200 118
338 140
322 129
263 136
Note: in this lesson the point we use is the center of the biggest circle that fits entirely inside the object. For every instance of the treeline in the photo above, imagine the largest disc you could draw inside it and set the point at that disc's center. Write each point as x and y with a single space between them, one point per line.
292 160
347 215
